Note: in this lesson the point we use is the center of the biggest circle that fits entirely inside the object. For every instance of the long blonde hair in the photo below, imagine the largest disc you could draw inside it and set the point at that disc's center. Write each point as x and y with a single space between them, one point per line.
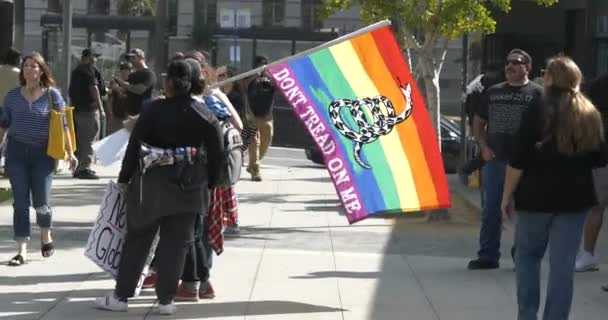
570 118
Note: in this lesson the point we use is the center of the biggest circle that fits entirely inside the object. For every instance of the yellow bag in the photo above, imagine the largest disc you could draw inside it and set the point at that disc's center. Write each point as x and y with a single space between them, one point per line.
57 139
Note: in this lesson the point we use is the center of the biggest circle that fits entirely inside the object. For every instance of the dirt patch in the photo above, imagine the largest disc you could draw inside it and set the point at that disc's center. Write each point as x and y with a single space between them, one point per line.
464 217
5 194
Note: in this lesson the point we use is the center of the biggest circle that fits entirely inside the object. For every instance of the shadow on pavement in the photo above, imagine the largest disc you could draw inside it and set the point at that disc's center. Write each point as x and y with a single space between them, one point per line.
340 274
252 308
67 235
77 195
32 280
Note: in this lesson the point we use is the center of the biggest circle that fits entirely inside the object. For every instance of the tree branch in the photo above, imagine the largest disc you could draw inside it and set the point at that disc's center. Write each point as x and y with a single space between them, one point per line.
410 39
444 51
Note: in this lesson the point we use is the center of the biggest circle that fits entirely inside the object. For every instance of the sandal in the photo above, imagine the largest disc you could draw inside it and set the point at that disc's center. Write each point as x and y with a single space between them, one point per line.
47 249
16 261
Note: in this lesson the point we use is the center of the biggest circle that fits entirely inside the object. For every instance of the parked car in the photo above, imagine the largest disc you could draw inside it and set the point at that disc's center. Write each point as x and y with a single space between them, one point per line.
450 146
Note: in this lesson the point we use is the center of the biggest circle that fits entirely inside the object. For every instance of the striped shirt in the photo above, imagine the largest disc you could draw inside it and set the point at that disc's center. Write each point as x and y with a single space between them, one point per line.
29 123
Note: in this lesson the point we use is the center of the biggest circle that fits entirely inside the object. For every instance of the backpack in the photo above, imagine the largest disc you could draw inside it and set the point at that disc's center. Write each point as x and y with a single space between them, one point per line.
230 171
233 144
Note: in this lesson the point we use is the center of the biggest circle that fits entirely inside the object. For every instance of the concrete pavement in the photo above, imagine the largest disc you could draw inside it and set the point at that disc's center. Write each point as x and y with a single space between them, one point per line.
297 258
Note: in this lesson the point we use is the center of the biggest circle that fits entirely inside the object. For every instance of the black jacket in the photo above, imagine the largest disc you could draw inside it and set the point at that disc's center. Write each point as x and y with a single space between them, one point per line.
171 123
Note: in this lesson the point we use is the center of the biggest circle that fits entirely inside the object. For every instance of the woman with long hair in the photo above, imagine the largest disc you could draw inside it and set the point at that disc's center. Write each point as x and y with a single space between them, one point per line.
549 185
26 116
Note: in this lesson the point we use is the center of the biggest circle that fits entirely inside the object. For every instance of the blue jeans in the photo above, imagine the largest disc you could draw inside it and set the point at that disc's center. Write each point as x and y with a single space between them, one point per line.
493 179
30 171
562 232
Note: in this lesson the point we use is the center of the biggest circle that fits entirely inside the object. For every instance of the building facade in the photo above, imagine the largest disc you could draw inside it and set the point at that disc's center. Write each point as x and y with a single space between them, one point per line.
234 31
578 28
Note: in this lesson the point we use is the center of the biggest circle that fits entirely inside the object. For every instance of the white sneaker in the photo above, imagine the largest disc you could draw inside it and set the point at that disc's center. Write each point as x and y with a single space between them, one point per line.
110 303
586 262
167 309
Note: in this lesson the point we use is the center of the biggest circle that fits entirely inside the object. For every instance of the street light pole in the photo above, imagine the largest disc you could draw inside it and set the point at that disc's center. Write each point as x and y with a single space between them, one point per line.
463 110
67 45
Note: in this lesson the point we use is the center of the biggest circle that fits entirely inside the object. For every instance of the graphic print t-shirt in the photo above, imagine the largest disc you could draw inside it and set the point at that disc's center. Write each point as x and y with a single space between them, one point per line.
503 108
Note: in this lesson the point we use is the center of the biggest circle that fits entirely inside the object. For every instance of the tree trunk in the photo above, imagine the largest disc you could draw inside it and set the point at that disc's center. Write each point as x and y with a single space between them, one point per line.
431 69
433 100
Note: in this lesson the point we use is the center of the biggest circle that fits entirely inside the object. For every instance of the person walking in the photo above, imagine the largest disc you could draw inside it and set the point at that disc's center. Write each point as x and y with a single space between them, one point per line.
85 94
30 170
496 125
9 73
549 188
175 150
9 79
260 96
588 260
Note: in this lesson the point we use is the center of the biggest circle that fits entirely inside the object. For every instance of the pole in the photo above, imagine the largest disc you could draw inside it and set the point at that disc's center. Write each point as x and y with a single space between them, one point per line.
67 45
19 34
328 44
159 37
235 40
463 110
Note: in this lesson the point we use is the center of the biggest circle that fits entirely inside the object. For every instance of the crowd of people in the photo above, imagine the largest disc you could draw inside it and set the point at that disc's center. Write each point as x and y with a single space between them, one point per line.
542 160
188 113
542 155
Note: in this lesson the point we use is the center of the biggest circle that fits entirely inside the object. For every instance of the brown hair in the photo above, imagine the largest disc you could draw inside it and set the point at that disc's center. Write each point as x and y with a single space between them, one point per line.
570 118
208 70
46 78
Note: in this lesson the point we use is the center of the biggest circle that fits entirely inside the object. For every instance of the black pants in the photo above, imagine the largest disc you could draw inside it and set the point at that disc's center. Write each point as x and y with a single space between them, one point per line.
176 235
199 257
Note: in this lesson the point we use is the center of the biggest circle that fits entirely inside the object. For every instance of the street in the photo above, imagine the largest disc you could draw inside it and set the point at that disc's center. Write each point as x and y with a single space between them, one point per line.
296 258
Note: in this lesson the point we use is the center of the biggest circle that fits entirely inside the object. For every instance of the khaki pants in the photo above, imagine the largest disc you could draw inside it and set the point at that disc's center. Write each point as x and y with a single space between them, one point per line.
260 144
87 130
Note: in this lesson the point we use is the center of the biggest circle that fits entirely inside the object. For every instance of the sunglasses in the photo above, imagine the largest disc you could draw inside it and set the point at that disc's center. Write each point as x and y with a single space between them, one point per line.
514 62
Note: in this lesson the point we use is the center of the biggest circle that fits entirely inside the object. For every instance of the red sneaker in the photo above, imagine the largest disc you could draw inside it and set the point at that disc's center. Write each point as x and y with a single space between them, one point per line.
150 281
208 293
185 295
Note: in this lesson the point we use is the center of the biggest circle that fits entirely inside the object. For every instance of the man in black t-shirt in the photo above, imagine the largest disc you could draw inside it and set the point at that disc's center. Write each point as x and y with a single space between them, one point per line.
86 89
140 84
496 125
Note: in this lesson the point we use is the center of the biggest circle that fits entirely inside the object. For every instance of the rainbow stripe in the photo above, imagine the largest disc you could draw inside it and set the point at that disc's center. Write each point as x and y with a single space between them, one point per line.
406 171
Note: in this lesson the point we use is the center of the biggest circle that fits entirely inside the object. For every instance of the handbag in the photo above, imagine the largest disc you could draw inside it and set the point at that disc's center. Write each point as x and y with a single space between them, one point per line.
57 137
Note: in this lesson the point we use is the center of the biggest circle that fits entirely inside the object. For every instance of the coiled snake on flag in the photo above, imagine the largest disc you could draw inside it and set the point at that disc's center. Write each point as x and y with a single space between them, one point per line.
369 132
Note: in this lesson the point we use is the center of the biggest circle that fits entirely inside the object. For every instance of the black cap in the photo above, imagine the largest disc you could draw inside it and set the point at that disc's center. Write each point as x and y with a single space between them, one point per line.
520 55
89 52
136 53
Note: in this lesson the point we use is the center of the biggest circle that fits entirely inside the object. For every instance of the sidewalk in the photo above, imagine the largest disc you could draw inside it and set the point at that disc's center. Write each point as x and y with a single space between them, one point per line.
296 258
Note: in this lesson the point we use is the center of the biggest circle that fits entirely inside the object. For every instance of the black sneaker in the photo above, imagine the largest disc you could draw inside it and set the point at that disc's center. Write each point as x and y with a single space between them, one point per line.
483 264
86 175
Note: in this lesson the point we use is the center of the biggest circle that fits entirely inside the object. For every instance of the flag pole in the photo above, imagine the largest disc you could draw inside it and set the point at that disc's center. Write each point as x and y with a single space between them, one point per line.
328 44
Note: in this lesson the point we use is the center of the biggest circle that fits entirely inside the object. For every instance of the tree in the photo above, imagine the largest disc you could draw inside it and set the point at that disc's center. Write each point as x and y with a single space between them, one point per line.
136 7
426 26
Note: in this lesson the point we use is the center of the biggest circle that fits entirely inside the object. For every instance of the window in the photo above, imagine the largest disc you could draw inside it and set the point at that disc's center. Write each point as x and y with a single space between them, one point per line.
99 7
274 12
310 19
173 17
55 6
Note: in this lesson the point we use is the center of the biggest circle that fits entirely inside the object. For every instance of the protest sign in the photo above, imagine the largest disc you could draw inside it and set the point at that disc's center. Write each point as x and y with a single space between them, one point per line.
107 237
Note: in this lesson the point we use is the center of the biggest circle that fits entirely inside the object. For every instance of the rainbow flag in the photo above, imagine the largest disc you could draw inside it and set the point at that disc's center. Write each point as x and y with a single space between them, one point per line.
358 100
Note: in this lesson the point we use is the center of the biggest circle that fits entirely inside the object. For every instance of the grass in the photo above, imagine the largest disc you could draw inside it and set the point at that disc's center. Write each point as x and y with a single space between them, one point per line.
5 194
